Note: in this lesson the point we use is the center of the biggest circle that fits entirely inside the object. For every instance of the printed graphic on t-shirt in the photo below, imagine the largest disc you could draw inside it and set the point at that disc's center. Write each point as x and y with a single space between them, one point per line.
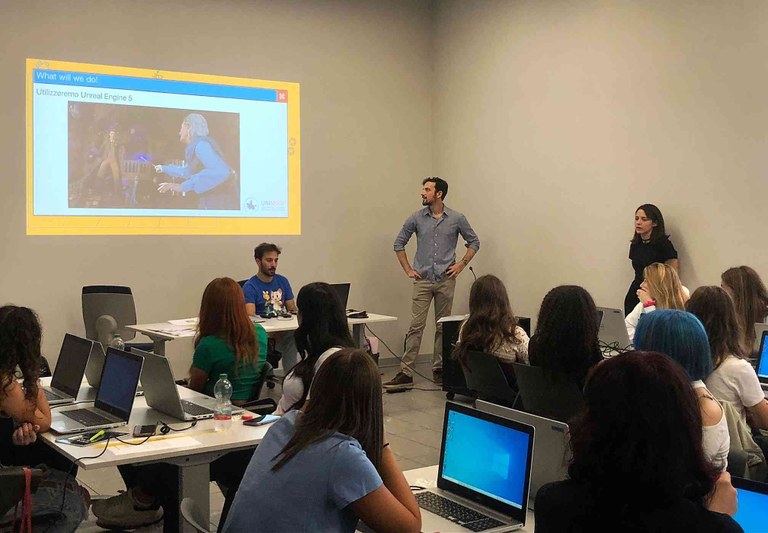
273 301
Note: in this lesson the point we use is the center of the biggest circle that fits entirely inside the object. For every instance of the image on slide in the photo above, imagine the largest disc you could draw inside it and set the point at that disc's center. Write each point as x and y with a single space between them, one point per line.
139 157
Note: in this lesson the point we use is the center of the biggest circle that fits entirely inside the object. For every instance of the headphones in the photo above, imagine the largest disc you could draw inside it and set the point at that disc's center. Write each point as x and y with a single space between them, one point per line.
165 428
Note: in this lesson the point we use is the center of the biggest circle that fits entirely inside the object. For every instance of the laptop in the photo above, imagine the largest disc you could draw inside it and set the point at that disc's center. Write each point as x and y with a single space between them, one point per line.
95 365
613 330
550 462
752 514
162 394
68 374
760 328
342 291
114 400
483 475
761 361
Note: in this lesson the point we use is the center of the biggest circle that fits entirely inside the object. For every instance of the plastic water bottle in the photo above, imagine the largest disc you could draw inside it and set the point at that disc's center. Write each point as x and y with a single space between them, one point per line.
223 393
117 342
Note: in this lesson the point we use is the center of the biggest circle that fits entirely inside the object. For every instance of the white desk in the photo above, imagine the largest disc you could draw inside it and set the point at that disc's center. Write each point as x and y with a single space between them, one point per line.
161 332
427 477
192 450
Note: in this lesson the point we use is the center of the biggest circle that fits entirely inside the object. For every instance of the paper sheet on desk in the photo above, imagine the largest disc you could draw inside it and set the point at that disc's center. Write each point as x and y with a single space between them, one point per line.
175 330
154 445
184 321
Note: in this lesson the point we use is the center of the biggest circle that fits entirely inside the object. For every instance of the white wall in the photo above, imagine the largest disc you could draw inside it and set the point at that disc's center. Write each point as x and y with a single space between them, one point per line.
556 119
365 75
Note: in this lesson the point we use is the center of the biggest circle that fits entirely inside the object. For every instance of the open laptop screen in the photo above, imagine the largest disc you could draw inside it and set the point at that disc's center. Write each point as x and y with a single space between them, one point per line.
487 456
73 358
762 362
752 514
119 381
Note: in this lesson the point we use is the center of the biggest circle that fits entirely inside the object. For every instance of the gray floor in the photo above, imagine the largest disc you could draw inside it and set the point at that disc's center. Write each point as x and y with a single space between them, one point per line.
413 422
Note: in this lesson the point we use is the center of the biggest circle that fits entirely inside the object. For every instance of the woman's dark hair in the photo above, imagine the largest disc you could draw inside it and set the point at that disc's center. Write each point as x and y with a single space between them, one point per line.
749 296
346 397
20 335
654 214
681 336
639 438
714 307
565 344
322 325
491 322
222 314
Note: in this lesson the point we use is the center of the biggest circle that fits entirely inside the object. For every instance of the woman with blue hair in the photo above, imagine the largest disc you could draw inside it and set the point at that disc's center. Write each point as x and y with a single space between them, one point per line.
206 173
682 337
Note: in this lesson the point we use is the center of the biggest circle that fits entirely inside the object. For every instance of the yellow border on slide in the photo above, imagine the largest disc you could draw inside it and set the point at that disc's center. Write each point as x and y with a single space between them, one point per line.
126 225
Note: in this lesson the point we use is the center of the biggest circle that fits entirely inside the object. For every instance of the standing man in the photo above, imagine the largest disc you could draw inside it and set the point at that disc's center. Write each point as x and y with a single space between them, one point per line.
434 272
268 292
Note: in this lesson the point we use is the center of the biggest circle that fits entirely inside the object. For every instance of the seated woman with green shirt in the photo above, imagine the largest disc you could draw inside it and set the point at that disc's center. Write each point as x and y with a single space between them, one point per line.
227 342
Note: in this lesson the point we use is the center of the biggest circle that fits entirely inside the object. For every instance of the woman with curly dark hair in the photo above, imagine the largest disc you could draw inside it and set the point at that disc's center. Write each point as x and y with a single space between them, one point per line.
565 344
24 412
492 327
20 336
638 463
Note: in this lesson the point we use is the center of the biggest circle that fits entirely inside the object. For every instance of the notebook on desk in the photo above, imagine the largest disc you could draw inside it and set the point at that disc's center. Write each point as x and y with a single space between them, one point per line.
114 400
68 374
550 460
162 394
483 475
752 513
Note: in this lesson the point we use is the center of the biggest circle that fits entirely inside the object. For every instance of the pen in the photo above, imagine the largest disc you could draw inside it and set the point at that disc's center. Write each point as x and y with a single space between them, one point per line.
97 436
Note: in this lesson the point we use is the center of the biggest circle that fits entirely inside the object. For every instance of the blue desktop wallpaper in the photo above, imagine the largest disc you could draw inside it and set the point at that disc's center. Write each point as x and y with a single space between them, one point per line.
485 456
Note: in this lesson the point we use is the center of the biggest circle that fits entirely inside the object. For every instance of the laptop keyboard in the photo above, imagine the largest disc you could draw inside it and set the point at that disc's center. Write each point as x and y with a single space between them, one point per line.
195 409
50 395
87 417
455 512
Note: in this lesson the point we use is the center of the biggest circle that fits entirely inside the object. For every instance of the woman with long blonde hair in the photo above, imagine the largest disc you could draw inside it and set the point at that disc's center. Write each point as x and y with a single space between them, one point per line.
661 289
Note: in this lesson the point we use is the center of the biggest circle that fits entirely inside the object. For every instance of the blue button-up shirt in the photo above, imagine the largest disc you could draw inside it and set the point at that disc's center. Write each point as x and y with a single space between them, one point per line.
436 240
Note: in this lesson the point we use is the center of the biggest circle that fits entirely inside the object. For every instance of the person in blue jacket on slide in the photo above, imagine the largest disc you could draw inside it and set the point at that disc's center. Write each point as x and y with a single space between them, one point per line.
206 173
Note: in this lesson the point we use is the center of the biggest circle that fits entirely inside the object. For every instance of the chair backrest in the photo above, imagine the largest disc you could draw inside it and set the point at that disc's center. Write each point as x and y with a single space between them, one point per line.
261 379
242 283
543 397
107 309
484 376
191 513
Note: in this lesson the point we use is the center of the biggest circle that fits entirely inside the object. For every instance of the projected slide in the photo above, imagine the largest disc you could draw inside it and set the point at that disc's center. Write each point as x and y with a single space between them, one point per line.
113 150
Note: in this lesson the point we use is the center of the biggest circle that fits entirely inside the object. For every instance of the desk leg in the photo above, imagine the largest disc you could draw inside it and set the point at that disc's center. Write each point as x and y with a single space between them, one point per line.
158 346
194 481
358 335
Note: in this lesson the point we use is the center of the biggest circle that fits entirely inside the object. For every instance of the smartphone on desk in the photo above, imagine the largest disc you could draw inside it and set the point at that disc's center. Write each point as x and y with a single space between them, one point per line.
261 420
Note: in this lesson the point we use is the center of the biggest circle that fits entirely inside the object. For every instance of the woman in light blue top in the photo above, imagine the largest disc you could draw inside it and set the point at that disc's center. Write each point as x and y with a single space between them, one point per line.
325 466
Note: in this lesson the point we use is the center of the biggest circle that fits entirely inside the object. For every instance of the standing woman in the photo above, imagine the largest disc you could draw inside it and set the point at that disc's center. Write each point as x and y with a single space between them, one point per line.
650 244
750 298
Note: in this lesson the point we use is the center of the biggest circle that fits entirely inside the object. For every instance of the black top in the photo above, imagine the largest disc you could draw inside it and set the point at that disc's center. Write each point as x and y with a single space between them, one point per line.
643 254
566 506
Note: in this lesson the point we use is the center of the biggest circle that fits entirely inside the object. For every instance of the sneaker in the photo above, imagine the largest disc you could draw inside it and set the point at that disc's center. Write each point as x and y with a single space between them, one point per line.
401 381
124 512
437 376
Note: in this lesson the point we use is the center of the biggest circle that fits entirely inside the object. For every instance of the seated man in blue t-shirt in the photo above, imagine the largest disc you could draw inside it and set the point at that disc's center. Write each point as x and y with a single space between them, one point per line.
268 292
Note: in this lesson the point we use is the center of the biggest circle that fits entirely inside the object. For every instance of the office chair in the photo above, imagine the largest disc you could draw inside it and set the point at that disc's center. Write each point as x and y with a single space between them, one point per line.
262 406
190 512
543 397
485 376
107 309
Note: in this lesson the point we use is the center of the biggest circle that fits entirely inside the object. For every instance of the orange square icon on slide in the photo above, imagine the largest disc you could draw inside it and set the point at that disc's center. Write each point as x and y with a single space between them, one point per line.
282 95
